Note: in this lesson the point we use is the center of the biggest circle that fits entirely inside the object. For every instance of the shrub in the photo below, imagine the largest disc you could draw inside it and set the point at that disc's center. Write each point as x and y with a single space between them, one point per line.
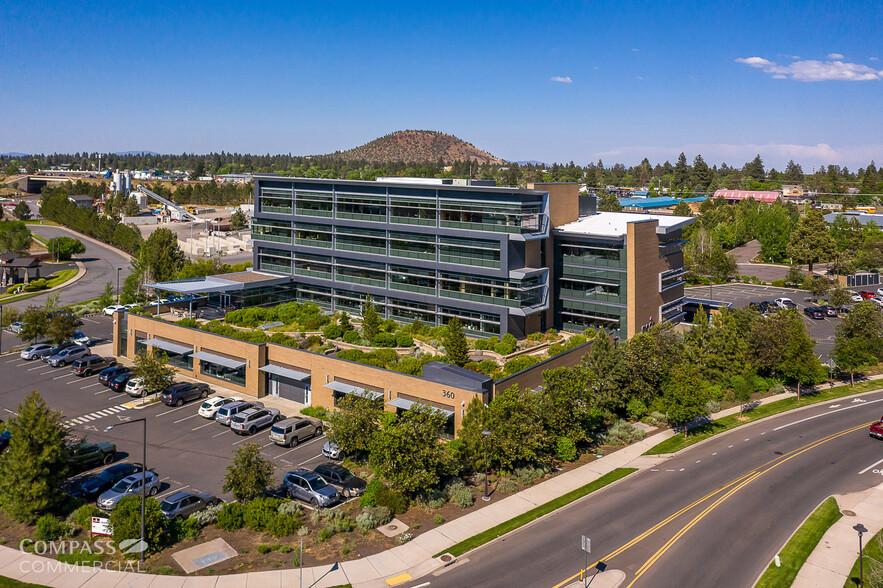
369 496
779 283
622 433
712 406
507 486
332 331
83 515
263 548
438 519
565 449
403 339
259 512
516 364
207 516
285 549
655 418
289 507
319 412
776 388
462 496
283 525
352 337
49 528
324 535
232 516
384 340
394 500
373 517
404 538
528 474
182 529
636 409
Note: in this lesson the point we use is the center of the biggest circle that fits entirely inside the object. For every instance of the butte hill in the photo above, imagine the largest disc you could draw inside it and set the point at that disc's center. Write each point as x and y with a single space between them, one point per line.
417 146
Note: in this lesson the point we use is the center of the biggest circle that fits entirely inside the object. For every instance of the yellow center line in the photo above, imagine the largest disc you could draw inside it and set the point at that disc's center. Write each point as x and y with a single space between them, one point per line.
653 529
720 500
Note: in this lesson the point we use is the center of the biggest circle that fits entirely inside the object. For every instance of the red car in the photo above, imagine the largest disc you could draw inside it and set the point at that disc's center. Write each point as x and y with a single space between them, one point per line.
867 295
877 429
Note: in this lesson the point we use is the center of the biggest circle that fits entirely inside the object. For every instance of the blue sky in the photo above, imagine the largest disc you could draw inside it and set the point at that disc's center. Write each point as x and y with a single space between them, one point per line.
524 80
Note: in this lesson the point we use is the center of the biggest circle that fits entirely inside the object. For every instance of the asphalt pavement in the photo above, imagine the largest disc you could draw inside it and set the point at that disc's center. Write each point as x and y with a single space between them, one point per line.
715 515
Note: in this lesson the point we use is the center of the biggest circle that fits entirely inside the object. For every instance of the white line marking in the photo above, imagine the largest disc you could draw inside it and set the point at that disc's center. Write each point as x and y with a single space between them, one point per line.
167 492
61 376
681 470
173 410
698 460
36 368
870 466
746 439
87 418
729 446
185 418
101 391
317 457
299 446
219 434
652 470
826 414
91 385
268 444
201 426
76 381
715 453
243 440
91 320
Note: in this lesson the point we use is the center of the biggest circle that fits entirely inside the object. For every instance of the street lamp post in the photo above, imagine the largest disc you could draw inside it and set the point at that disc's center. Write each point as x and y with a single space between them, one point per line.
485 434
143 421
119 269
861 572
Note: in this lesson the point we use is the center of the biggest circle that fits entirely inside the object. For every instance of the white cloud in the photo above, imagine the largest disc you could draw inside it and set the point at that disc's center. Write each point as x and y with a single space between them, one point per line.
815 71
596 67
636 50
872 59
561 80
638 78
835 56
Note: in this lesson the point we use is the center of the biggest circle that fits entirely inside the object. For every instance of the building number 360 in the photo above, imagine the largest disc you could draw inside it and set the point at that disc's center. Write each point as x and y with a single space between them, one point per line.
447 394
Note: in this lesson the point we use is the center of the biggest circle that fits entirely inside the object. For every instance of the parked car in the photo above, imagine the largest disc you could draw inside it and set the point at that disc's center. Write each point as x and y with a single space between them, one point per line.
310 487
814 312
786 303
210 407
183 504
62 358
856 297
876 300
81 339
130 485
341 478
866 294
292 431
91 364
109 310
135 388
85 456
56 350
877 429
119 382
106 375
35 351
251 420
228 411
829 310
5 436
91 489
331 450
178 394
16 327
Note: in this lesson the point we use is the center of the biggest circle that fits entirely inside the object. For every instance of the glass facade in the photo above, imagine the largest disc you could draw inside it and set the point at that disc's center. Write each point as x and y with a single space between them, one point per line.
592 285
232 375
271 230
477 252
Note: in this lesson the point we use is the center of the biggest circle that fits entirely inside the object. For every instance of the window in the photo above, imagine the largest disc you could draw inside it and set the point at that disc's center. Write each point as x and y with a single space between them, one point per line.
277 260
275 200
529 292
412 245
316 266
358 207
411 279
313 203
479 323
507 217
672 278
601 255
269 230
591 290
315 294
408 311
363 241
361 272
232 375
413 211
312 235
477 252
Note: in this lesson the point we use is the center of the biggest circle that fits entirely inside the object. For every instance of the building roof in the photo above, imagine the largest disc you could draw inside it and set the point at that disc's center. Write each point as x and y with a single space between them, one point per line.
220 283
19 262
658 202
615 224
765 196
80 198
416 184
862 217
445 373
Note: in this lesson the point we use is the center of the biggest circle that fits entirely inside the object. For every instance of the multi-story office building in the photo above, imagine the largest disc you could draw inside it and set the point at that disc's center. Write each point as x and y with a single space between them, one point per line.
430 250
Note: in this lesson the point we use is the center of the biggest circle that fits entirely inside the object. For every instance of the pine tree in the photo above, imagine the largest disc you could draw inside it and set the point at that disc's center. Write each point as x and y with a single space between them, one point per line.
702 173
755 169
456 346
35 466
682 209
681 173
811 242
370 321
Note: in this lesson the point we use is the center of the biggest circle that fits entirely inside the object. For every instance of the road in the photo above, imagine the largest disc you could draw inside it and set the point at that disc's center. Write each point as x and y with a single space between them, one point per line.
713 516
101 263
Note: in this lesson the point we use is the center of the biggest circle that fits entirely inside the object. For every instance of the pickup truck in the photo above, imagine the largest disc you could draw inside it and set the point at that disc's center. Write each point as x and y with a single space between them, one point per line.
85 456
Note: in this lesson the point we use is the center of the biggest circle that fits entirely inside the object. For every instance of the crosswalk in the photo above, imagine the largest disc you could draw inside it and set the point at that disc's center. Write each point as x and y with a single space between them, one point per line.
97 415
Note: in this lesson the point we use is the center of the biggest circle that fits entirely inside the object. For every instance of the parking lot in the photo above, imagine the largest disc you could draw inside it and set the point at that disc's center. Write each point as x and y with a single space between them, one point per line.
740 295
186 450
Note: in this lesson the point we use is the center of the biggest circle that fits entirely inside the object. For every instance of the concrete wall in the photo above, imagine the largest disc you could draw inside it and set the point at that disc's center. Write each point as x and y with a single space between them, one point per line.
563 202
532 377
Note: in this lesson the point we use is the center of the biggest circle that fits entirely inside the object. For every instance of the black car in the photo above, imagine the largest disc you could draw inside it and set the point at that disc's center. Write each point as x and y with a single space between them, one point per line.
814 312
5 436
107 374
341 478
106 479
84 456
178 394
118 384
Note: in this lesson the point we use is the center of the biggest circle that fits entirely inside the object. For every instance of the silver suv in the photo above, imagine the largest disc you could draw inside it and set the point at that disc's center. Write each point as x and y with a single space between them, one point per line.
228 411
130 485
310 487
68 355
292 431
249 421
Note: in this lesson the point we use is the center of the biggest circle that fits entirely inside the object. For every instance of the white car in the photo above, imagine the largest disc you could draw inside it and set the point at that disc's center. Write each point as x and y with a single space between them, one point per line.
210 407
109 310
856 297
135 387
877 300
785 303
880 292
81 339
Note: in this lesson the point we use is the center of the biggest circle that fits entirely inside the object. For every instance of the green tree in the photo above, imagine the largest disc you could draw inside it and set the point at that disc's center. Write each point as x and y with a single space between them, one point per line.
685 396
408 452
742 390
355 424
456 346
154 371
160 256
370 321
702 173
471 440
35 465
681 178
238 220
603 361
22 211
839 296
858 341
608 202
817 286
35 323
682 209
125 519
514 417
106 298
198 169
754 169
250 474
773 231
63 248
705 257
14 236
61 326
566 404
811 242
131 208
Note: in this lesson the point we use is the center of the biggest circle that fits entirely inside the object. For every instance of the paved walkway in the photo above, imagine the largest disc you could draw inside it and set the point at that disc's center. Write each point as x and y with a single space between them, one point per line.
394 566
831 561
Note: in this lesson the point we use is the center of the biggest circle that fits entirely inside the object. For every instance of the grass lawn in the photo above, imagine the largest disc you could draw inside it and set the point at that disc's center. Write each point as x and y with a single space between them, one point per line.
61 277
703 432
798 548
535 513
871 552
10 583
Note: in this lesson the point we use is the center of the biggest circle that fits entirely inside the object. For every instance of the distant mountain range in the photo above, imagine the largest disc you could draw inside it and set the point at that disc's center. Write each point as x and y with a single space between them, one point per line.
530 162
122 153
14 154
417 146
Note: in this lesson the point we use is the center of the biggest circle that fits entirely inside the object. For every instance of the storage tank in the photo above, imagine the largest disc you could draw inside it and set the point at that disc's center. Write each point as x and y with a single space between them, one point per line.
127 181
117 182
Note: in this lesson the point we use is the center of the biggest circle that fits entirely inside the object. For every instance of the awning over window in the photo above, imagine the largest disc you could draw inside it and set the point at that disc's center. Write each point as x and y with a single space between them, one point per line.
167 346
285 372
218 360
405 404
348 389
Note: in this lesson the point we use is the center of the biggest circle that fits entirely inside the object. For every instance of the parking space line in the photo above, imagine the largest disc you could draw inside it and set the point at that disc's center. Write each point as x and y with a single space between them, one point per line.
77 381
91 386
91 320
173 410
185 418
167 492
870 466
62 376
202 426
309 460
101 391
243 440
221 433
87 418
36 368
268 444
299 445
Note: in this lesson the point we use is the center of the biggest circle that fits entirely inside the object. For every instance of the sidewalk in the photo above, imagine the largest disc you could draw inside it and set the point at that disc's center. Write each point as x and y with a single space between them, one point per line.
831 561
